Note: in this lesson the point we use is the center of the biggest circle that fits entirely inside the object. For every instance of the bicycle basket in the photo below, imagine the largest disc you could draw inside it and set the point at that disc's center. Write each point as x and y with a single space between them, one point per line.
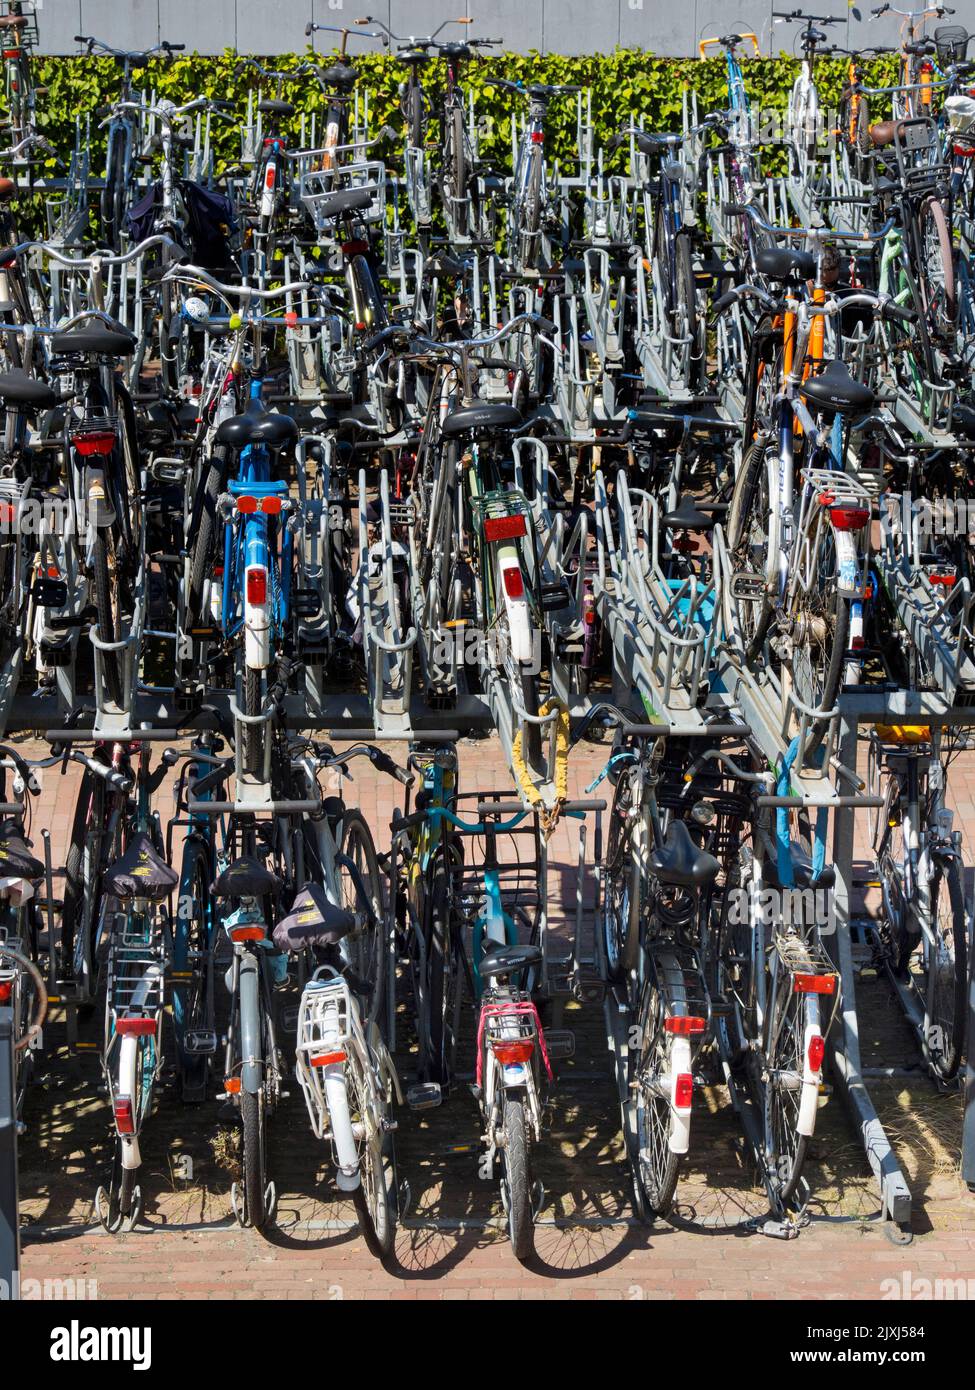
318 185
951 42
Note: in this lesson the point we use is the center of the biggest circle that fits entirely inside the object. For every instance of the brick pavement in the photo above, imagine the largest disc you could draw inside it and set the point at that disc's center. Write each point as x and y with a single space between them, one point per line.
451 1246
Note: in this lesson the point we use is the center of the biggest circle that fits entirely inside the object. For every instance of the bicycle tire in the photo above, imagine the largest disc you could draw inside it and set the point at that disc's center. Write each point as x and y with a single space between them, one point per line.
785 1148
253 703
657 1166
517 1177
939 261
192 1002
369 957
459 169
947 982
252 1118
77 915
438 944
201 562
374 1198
414 114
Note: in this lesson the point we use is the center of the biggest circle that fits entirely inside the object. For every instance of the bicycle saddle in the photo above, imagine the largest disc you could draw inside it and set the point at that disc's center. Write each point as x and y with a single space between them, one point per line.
246 878
17 388
779 262
480 417
679 862
94 339
648 142
312 921
8 187
835 390
16 860
339 75
883 133
455 50
505 960
802 870
962 419
257 426
687 516
349 200
271 107
141 872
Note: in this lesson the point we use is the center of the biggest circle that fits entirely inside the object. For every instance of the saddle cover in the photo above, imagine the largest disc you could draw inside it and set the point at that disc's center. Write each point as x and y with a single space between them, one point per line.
312 921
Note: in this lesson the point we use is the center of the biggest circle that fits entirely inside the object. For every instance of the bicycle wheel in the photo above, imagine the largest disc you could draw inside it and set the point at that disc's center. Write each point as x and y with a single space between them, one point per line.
106 594
753 539
367 944
531 212
414 114
458 161
253 1121
193 999
253 704
374 1197
82 886
201 562
658 1166
938 268
820 617
437 929
622 911
946 961
791 1017
517 1178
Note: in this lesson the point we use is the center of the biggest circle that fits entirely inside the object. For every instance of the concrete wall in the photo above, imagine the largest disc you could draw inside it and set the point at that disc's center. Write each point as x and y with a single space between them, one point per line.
553 26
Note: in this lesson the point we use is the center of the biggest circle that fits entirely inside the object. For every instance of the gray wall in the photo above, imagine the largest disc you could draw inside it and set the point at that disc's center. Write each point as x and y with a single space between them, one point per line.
553 26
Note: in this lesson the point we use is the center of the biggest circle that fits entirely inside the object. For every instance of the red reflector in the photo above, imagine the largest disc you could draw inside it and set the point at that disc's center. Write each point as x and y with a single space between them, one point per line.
513 585
354 248
849 518
247 504
94 442
510 1053
504 528
124 1119
683 1091
590 617
271 506
6 990
8 513
291 319
247 933
53 572
947 581
135 1027
269 176
817 1050
857 644
257 586
814 984
685 1025
538 137
327 1059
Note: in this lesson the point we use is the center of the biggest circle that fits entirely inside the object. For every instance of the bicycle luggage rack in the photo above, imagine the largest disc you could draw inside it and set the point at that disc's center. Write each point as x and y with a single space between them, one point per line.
316 186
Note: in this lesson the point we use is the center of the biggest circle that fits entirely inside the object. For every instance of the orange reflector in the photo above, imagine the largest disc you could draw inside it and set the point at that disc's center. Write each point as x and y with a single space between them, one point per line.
232 1085
684 1025
6 990
247 504
247 933
327 1059
504 528
814 984
271 506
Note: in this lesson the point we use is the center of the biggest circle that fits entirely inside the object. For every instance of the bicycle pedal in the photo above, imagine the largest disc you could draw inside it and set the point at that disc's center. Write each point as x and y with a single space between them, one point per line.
588 987
289 1018
424 1095
747 588
199 1042
561 1043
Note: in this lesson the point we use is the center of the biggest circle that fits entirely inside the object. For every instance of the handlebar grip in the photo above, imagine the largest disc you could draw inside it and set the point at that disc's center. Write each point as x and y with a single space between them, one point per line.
646 730
546 325
384 763
309 29
725 302
897 311
734 209
401 822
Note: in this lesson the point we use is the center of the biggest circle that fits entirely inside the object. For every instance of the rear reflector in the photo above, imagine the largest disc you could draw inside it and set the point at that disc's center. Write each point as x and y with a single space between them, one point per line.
140 1027
6 990
849 518
247 933
124 1119
683 1091
538 137
327 1059
257 585
94 442
685 1025
513 584
504 528
232 1085
816 1052
814 984
270 506
509 1054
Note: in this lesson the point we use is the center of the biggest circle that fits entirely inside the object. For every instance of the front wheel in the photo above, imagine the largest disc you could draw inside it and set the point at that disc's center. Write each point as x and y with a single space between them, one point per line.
517 1179
947 971
253 1121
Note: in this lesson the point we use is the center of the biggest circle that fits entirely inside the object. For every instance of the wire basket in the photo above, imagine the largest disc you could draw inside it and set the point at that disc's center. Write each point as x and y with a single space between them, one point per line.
318 185
951 42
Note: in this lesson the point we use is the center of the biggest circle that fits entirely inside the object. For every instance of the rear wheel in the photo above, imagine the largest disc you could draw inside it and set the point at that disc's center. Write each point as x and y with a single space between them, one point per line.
947 971
252 1115
658 1167
821 623
517 1179
792 1017
253 704
367 945
459 168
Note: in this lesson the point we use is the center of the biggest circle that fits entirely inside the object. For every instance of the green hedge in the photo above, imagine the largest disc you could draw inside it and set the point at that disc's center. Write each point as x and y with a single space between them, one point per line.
625 85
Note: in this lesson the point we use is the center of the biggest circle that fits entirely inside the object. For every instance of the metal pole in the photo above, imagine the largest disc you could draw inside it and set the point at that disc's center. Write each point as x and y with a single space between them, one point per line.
968 1126
9 1227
